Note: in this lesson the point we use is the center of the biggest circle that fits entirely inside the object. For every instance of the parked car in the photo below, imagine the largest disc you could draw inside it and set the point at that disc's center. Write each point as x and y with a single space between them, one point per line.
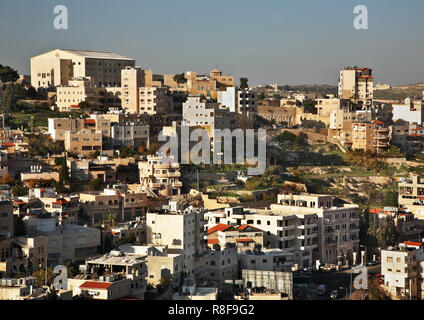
334 294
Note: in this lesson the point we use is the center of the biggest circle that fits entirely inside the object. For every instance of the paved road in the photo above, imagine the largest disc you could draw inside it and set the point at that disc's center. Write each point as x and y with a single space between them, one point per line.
334 280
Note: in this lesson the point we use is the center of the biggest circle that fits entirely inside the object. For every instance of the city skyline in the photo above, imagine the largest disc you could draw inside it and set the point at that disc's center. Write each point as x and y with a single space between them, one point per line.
267 42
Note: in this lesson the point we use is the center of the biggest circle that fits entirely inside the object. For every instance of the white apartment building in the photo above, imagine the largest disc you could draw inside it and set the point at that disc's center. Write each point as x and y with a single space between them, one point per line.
293 232
182 231
57 67
411 111
267 260
243 101
338 225
356 84
401 268
222 264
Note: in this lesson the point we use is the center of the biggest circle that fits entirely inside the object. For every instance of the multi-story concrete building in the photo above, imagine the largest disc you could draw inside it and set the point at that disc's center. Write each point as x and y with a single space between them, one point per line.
124 275
80 90
289 231
161 264
122 205
245 237
337 225
267 260
408 137
182 231
6 219
160 176
130 134
356 84
57 67
401 268
84 142
370 136
243 101
131 79
411 191
22 255
155 100
222 264
411 111
141 96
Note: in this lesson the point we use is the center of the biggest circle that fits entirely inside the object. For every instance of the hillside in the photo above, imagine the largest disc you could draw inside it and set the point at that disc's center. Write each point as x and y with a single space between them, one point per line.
400 92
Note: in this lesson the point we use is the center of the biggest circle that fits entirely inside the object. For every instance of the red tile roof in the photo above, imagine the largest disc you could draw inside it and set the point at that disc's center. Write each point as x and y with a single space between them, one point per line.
90 121
244 240
415 244
377 211
19 202
213 241
95 285
60 201
8 144
378 122
242 227
218 227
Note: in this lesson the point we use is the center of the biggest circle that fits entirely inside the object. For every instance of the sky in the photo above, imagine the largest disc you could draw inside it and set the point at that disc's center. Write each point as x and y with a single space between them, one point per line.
267 41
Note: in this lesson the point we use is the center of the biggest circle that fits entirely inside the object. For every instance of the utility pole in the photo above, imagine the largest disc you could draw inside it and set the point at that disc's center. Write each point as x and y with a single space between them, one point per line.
198 185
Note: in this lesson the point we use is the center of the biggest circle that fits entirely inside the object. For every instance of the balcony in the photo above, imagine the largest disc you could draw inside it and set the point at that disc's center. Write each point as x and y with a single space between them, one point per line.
177 184
284 228
308 247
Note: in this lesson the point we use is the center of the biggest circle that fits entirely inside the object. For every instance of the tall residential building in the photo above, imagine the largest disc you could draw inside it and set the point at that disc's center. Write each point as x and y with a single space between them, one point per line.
288 231
338 224
243 101
141 96
57 67
182 231
131 80
356 84
370 136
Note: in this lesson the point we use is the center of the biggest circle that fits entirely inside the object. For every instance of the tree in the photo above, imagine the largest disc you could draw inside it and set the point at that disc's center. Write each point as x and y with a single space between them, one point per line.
8 74
180 78
261 96
94 185
243 83
84 105
31 93
7 99
18 226
20 190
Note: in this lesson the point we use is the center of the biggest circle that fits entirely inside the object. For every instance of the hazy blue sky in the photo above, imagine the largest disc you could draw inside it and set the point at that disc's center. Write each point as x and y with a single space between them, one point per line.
268 41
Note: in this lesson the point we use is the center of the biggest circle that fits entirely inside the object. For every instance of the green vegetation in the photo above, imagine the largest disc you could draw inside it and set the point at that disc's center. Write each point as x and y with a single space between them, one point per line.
180 78
43 145
243 83
375 234
8 74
